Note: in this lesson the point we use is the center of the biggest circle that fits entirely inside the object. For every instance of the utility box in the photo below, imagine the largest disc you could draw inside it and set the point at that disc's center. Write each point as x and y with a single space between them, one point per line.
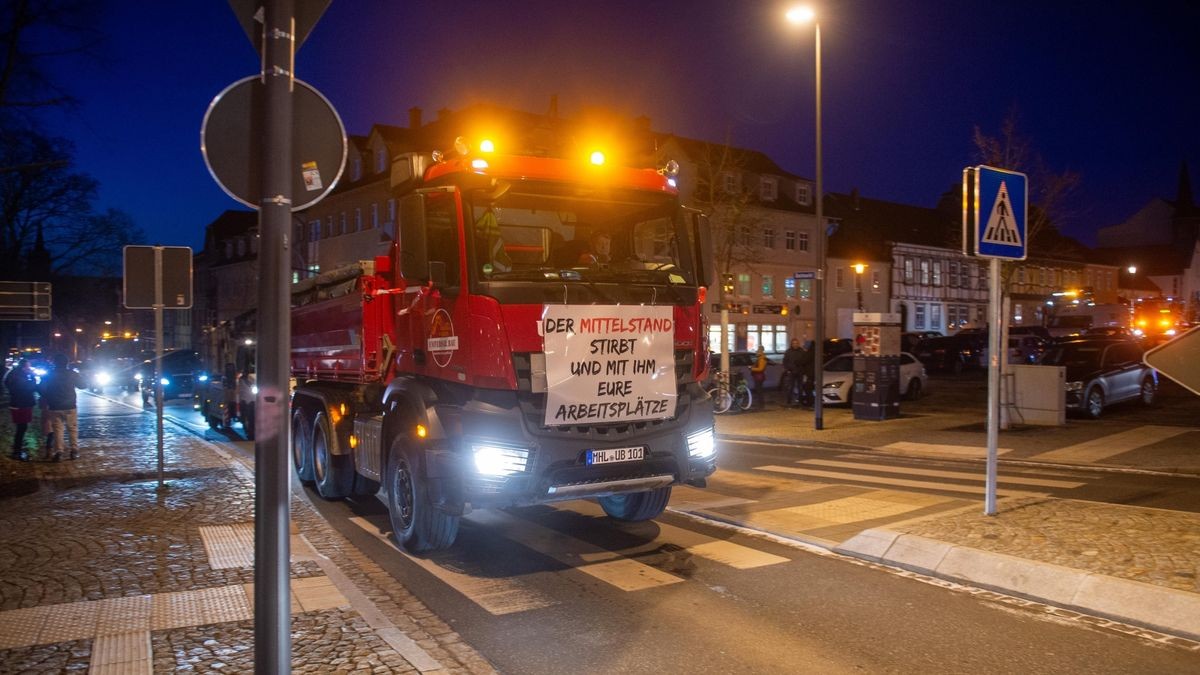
1036 395
876 391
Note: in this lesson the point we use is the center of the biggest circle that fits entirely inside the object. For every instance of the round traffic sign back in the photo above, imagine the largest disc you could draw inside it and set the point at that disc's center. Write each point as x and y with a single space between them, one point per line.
231 142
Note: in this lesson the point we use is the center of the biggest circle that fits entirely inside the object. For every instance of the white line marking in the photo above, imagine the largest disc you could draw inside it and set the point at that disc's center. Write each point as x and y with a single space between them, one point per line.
496 596
1109 446
967 451
895 482
936 473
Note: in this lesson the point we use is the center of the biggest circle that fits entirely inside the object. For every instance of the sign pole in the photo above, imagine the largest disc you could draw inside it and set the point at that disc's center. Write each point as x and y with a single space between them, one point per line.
272 597
993 415
158 357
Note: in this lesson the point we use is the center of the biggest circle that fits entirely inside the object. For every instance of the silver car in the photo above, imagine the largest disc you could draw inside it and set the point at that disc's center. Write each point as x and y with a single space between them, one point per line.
1101 372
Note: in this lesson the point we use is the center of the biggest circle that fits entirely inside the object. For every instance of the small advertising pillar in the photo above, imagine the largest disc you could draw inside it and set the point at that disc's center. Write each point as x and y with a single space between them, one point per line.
876 391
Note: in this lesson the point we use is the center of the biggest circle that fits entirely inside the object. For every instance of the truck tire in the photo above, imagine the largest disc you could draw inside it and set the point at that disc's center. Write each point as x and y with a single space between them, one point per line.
302 447
636 506
416 524
334 473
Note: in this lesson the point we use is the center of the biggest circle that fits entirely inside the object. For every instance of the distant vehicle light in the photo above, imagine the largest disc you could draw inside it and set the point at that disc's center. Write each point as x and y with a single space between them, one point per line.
104 378
40 372
486 145
203 378
165 382
479 164
254 390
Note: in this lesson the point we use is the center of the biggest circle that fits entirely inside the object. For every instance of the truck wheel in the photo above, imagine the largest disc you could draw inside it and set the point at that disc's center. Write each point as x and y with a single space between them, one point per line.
637 506
334 473
416 524
302 447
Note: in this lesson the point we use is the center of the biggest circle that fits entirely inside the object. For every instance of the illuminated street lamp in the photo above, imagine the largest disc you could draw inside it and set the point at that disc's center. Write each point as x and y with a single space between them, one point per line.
800 15
859 268
1132 269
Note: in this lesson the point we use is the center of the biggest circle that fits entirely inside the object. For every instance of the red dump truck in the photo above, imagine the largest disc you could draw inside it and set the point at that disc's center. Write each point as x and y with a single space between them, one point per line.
535 334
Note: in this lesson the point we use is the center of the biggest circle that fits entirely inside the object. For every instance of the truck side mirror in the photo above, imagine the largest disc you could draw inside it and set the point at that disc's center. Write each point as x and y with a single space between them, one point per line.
414 253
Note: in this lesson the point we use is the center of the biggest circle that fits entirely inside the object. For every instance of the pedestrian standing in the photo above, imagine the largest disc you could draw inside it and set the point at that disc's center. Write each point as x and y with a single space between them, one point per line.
247 390
808 374
791 365
57 390
22 395
759 373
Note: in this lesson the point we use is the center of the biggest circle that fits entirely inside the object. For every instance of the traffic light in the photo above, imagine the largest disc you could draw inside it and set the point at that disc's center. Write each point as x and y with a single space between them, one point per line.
727 284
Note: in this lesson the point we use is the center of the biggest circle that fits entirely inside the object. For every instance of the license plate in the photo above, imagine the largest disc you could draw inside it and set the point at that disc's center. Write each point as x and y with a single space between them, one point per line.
613 455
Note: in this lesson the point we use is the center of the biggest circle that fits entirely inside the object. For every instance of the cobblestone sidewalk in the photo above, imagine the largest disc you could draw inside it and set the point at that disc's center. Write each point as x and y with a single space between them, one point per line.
99 570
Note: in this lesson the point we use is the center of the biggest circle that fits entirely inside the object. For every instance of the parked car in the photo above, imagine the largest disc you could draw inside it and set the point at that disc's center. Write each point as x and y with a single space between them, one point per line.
954 353
1110 331
1101 372
740 363
909 341
838 378
1025 349
181 369
1039 331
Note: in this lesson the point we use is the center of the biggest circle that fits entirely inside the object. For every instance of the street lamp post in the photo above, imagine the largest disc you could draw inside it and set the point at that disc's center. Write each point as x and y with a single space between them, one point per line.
859 268
802 15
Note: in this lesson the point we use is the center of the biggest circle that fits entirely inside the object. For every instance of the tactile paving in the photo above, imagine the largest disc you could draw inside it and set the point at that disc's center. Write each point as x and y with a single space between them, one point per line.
229 546
70 621
124 615
131 649
21 627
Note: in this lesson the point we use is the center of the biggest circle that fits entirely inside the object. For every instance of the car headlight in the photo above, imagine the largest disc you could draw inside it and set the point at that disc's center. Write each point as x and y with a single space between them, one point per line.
1075 386
834 385
165 382
499 460
702 444
203 378
103 379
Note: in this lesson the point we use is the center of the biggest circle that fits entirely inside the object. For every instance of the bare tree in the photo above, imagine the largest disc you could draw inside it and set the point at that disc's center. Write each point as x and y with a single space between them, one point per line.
27 28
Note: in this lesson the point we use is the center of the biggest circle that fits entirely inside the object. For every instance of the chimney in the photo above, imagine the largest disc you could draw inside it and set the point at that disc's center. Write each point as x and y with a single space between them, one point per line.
414 118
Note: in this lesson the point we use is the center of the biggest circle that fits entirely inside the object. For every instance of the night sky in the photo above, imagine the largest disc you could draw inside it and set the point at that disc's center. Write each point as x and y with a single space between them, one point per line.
1109 90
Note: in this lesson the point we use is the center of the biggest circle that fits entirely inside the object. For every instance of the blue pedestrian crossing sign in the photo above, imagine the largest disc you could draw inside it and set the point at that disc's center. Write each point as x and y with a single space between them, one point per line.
998 211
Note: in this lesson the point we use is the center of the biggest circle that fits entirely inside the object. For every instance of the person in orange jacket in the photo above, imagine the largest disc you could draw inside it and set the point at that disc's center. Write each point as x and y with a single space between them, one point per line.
759 373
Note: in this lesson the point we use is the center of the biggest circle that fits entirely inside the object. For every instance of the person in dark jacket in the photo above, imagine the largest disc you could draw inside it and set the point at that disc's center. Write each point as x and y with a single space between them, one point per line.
791 365
57 390
22 395
808 374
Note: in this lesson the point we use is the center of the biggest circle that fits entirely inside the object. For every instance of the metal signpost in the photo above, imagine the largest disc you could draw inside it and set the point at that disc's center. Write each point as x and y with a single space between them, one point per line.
276 145
154 275
995 208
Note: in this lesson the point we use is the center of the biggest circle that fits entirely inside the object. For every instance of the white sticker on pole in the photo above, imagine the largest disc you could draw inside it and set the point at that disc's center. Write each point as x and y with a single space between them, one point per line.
608 363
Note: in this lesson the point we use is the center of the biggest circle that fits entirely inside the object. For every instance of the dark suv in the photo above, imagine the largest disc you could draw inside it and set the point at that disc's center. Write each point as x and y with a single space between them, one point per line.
180 370
1101 372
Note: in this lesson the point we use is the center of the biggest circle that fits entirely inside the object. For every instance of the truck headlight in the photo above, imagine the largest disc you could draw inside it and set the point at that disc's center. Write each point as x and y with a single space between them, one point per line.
103 379
499 460
702 444
1075 386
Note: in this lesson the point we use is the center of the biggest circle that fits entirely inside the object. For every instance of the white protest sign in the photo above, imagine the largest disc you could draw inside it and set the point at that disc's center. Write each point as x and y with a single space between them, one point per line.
608 363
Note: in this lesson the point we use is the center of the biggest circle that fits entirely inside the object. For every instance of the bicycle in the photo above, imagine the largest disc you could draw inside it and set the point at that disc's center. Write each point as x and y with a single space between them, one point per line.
724 396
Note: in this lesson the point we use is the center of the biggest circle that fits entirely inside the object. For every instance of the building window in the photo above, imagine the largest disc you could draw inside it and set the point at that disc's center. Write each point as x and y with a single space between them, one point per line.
356 167
924 271
789 240
391 210
714 338
908 270
789 288
358 219
876 286
374 215
935 316
769 238
767 189
805 287
729 183
772 338
314 230
745 236
803 241
839 278
342 223
937 272
952 278
919 316
328 226
768 286
380 160
743 287
964 275
803 194
1018 313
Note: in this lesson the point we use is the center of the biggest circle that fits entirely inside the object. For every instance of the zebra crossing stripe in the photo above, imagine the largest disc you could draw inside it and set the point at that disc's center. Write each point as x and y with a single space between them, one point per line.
719 551
497 596
936 473
894 482
1102 448
625 574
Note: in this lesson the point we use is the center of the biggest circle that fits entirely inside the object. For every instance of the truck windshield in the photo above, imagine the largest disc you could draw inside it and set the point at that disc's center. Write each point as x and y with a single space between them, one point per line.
548 233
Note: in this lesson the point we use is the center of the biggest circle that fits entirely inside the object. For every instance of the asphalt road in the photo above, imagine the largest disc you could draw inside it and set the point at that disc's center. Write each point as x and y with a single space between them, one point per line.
562 588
